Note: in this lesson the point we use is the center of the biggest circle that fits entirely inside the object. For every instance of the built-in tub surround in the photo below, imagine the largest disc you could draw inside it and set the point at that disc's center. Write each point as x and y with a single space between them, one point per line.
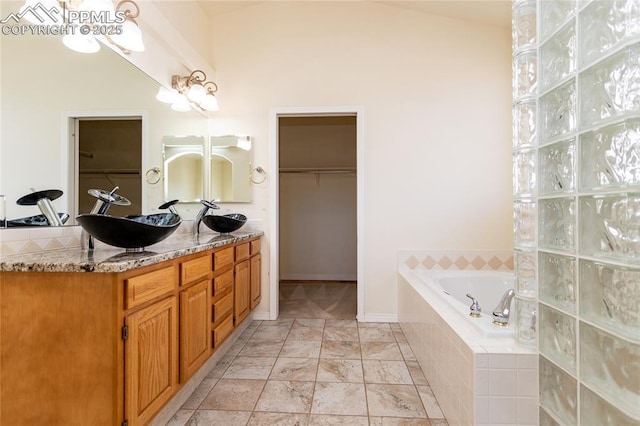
477 379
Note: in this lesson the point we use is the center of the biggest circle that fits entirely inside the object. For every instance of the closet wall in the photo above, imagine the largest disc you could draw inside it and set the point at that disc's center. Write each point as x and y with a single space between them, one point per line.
317 157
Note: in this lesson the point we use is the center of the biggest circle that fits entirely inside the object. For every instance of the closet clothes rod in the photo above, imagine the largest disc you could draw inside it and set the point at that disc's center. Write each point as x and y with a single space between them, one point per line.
319 171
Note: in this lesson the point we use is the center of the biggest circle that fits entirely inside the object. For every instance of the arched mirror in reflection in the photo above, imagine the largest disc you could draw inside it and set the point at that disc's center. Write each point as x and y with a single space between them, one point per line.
230 168
183 168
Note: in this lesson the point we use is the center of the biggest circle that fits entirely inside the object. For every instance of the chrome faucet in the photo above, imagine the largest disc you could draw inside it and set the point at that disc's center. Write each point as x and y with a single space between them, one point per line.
104 200
475 307
206 206
502 311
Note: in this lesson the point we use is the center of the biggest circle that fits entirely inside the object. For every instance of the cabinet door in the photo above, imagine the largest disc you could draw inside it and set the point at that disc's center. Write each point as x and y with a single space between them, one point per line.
151 360
195 328
256 271
241 291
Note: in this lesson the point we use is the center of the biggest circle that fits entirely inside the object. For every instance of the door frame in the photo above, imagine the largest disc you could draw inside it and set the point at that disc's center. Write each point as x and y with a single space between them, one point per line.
70 160
274 186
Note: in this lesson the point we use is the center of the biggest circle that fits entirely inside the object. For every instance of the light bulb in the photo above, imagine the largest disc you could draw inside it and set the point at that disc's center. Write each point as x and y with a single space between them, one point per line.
130 38
181 104
210 103
81 43
197 93
167 96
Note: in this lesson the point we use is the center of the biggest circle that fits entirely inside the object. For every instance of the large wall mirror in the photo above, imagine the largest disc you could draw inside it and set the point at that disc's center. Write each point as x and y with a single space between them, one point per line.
230 168
44 85
183 168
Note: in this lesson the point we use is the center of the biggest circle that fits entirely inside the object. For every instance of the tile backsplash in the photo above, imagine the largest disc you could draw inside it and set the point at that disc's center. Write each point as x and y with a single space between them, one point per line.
457 259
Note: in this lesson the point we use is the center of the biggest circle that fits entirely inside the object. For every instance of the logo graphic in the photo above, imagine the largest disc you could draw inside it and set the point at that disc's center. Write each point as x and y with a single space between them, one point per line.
36 14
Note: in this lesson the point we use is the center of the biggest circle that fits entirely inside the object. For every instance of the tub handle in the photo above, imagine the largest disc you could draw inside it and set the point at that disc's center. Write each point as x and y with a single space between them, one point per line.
475 307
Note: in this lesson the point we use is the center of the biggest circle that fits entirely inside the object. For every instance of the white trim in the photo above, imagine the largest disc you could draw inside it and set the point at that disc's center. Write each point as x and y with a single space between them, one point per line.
69 149
274 272
380 318
261 316
319 277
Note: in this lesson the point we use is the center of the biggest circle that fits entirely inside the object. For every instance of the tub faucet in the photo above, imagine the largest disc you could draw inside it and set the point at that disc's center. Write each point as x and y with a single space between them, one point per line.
475 307
206 206
501 312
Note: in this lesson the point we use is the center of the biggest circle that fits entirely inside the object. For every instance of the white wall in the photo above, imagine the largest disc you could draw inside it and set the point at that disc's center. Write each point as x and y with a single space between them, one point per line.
435 94
317 211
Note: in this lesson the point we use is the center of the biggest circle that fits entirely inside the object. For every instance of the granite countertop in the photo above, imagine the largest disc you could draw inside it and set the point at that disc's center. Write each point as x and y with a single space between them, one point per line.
112 259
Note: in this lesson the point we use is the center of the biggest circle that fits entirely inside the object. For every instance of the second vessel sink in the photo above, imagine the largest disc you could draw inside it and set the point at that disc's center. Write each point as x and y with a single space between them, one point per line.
133 233
226 223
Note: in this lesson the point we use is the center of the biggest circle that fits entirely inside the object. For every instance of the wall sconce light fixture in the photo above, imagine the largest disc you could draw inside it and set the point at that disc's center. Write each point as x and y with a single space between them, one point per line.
87 22
192 91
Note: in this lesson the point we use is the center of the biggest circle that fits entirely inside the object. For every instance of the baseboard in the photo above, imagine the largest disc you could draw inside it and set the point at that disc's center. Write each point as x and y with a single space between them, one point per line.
318 277
261 316
380 318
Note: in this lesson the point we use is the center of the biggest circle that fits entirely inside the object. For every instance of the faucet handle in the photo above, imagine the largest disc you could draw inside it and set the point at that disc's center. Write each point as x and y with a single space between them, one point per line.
209 204
475 307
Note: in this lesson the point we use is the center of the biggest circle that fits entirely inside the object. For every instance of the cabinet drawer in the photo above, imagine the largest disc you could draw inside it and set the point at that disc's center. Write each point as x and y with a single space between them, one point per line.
222 259
242 251
255 247
148 286
222 307
222 331
193 269
222 284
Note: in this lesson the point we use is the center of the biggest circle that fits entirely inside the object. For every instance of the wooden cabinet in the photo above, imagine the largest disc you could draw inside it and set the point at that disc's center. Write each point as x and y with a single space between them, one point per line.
195 326
151 355
256 270
242 304
102 348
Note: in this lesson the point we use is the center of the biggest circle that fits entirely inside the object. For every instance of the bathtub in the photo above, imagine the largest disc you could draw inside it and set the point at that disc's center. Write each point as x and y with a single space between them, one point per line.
487 287
478 372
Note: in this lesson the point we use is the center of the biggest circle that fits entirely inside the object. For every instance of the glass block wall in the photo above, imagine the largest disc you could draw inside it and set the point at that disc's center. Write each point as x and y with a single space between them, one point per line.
576 159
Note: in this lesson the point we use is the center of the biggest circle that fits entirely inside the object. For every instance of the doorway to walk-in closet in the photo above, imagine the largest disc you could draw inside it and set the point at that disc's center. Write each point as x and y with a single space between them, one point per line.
317 157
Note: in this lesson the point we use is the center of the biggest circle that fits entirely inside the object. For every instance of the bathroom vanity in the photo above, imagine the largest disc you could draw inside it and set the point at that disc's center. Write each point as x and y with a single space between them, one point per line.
107 337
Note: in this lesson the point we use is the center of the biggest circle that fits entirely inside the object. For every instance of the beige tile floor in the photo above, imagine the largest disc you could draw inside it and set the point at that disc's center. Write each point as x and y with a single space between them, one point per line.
314 372
318 299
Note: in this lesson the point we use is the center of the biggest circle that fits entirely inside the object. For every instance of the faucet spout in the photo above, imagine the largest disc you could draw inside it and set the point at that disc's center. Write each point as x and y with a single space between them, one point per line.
203 211
502 311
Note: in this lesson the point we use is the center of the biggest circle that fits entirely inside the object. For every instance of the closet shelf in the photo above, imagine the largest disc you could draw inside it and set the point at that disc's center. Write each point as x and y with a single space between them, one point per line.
110 172
327 170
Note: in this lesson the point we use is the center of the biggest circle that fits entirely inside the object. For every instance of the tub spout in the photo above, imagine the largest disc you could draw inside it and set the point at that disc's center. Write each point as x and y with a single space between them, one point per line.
502 311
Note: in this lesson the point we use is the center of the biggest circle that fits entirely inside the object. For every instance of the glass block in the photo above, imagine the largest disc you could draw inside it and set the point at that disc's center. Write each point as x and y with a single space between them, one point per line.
524 173
524 124
612 366
600 412
557 223
610 297
557 167
546 419
525 74
610 226
557 281
605 24
558 392
525 321
524 25
558 337
526 267
558 56
611 88
610 157
557 112
553 14
524 223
